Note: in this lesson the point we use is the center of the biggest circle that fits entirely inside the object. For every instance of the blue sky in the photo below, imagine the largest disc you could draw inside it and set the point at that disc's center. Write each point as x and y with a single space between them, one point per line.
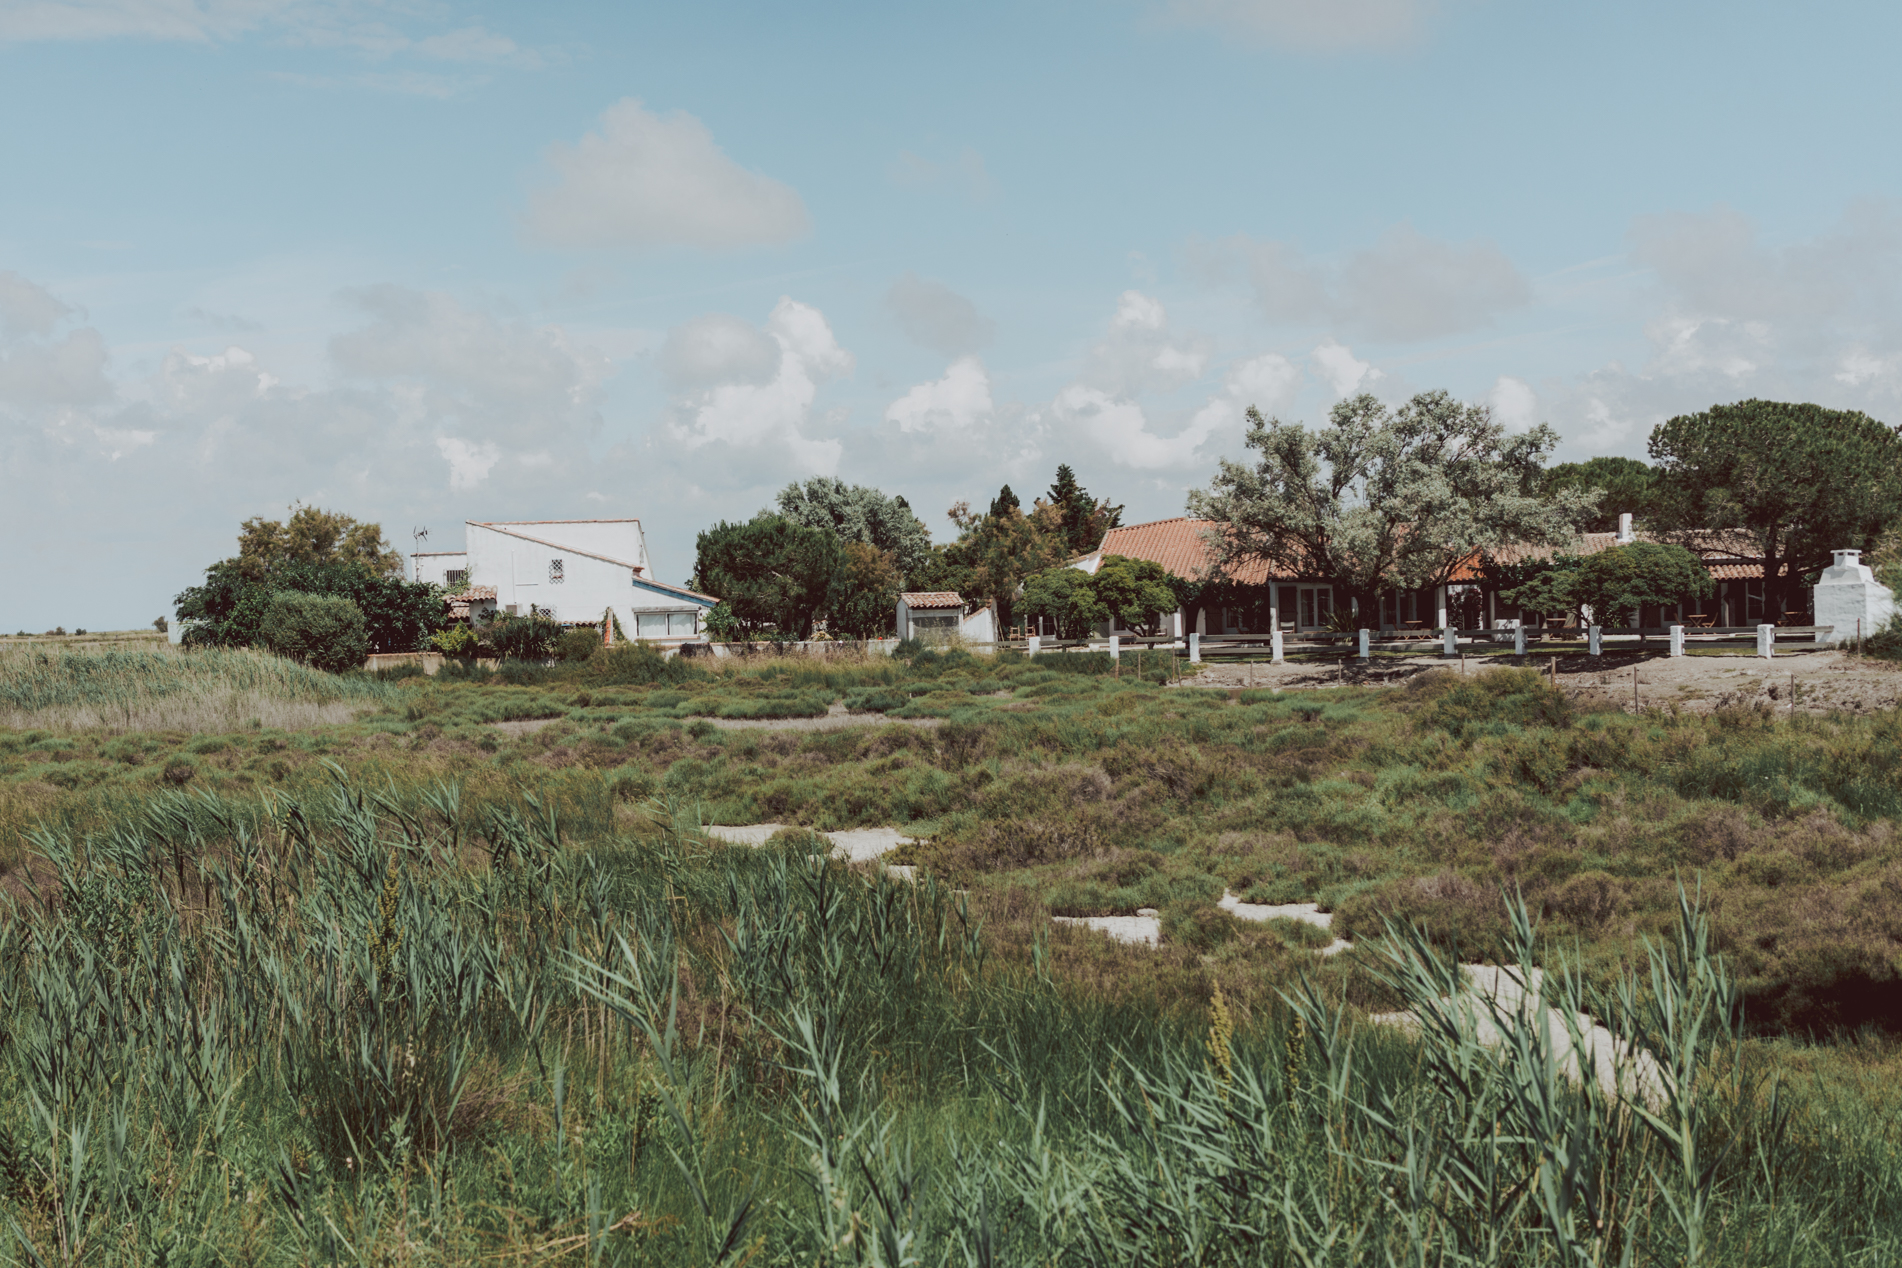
426 262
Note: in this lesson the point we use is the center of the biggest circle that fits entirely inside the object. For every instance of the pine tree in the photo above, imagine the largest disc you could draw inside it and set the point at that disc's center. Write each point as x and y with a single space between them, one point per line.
1005 502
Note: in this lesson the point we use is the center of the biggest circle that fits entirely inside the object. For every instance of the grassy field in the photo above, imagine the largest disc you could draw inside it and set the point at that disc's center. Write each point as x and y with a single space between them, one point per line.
411 988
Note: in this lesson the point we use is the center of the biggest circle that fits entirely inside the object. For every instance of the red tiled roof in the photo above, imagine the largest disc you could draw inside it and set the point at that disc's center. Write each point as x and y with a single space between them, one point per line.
1181 546
933 599
474 594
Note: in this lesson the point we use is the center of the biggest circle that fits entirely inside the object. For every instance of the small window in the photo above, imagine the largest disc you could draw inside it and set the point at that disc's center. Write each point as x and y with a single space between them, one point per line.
681 625
554 572
653 625
457 578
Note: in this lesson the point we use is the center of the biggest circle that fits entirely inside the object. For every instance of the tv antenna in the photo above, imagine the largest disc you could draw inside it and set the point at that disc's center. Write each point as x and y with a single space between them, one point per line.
418 536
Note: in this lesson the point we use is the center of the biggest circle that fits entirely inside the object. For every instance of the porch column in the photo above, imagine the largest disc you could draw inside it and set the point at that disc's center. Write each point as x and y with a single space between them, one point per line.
1274 606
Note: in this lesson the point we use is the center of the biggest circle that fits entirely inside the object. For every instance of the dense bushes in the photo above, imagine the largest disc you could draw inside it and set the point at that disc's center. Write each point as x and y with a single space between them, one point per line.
323 631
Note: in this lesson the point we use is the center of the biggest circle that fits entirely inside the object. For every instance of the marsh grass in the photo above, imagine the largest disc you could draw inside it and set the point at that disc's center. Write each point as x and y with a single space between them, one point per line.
162 689
417 989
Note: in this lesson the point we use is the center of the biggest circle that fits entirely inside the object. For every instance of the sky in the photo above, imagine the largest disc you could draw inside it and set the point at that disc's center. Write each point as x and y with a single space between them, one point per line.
425 262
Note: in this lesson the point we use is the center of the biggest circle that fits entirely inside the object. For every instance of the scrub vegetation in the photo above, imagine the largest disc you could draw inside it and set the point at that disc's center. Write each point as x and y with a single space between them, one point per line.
415 988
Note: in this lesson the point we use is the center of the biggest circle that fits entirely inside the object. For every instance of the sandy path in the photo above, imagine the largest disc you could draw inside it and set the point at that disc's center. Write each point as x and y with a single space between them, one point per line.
854 845
1145 927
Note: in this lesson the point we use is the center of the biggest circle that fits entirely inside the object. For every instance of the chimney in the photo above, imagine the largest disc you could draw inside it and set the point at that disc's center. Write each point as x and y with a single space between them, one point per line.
1624 528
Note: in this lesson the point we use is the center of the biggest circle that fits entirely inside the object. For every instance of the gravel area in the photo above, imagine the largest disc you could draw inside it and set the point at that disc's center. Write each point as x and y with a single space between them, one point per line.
1824 681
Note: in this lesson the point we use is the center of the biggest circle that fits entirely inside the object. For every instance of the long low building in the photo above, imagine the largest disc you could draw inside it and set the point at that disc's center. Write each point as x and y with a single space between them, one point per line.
1256 602
575 572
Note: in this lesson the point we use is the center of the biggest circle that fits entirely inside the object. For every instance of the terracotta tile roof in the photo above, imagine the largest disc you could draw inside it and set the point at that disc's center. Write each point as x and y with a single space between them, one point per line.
474 594
933 599
1181 546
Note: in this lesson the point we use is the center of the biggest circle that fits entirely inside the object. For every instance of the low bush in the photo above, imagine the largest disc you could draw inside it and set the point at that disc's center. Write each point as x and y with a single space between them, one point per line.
640 664
577 645
322 631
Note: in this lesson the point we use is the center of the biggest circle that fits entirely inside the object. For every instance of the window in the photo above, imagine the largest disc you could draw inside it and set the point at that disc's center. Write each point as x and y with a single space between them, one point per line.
681 624
456 578
652 624
554 572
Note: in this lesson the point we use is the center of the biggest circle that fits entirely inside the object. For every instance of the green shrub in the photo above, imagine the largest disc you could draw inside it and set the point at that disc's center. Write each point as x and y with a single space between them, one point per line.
521 637
455 640
1200 926
577 645
640 664
320 630
1491 701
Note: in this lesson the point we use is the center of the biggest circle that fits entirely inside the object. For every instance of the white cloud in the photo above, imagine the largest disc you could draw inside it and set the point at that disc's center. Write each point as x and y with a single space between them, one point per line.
937 317
1140 353
958 402
1345 373
718 348
475 44
1406 287
1310 24
772 416
192 20
648 180
68 371
469 464
27 308
1514 403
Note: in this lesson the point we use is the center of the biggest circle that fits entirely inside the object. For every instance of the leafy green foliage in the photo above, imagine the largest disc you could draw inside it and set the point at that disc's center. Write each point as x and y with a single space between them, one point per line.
1068 597
522 638
1612 583
774 575
856 513
865 605
455 640
1490 702
1386 499
1796 481
228 609
1627 486
323 631
1082 519
578 644
1134 592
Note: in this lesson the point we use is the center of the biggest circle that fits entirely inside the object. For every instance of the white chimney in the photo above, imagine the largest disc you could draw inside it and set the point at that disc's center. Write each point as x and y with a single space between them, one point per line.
1624 528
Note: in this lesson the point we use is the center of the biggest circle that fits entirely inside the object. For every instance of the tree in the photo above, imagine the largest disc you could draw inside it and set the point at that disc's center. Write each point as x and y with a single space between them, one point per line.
1081 518
1614 583
1798 481
866 605
859 514
323 631
1067 596
775 575
995 553
313 536
228 609
1385 499
1005 502
1625 485
1134 592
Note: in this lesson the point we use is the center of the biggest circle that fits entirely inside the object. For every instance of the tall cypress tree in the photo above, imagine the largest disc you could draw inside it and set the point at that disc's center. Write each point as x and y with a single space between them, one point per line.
1084 519
1005 502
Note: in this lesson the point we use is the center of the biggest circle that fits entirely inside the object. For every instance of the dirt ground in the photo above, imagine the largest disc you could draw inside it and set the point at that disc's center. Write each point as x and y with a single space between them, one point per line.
1824 681
835 719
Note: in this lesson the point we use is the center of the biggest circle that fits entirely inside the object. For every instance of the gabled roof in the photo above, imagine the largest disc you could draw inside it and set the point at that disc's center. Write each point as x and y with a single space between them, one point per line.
1181 546
650 584
566 550
933 599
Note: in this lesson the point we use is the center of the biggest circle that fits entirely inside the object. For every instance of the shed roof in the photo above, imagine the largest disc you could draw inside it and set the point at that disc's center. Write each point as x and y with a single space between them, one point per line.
933 599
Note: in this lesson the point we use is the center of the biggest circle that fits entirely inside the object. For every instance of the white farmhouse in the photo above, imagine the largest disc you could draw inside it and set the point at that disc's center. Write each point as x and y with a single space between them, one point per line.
573 571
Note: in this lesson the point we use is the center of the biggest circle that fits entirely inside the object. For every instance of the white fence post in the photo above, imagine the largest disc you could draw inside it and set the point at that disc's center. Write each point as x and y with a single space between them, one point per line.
1677 640
1593 643
1518 640
1364 649
1274 646
1195 648
1449 642
1033 644
1766 641
1116 647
